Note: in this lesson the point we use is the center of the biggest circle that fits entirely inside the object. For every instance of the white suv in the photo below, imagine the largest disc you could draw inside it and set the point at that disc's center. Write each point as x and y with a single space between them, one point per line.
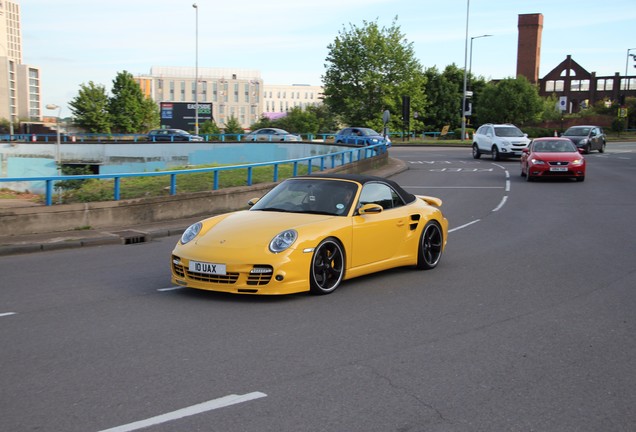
499 140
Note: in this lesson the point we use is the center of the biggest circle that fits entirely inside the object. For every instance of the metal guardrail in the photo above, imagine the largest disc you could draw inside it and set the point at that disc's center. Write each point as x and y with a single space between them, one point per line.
128 138
332 159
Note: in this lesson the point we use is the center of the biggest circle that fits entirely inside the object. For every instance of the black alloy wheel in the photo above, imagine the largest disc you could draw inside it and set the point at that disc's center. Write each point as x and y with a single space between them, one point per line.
327 267
431 245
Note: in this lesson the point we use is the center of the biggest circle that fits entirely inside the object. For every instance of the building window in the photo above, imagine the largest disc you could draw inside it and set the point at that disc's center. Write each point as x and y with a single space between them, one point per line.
580 85
604 84
628 83
554 86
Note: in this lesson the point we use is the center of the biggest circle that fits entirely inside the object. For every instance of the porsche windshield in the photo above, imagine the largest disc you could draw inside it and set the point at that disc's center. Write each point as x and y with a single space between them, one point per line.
330 197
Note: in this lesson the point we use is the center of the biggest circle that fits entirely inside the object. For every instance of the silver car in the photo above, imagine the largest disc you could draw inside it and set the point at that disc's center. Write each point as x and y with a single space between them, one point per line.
271 134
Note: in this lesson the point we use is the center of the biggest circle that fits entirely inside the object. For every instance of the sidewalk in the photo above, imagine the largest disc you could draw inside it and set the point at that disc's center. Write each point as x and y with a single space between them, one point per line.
123 235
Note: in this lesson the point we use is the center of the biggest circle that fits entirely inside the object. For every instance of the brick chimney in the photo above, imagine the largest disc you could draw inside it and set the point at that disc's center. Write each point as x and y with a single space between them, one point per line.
529 46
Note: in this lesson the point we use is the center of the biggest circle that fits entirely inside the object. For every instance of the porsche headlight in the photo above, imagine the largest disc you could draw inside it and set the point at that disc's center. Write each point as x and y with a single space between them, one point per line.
283 240
191 232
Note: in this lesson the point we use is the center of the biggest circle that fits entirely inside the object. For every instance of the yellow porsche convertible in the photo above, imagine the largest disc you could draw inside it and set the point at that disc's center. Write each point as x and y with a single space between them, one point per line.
310 233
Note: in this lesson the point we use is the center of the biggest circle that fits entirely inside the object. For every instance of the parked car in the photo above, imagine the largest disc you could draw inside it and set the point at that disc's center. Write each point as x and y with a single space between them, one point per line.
587 138
499 140
310 233
172 135
360 136
271 134
552 157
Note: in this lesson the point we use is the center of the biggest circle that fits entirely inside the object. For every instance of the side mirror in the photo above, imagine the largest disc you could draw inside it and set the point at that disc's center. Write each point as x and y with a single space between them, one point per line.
525 150
253 201
370 208
581 150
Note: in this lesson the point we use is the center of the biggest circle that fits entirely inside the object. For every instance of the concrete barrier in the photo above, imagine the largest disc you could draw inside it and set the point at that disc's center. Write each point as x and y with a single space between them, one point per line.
97 215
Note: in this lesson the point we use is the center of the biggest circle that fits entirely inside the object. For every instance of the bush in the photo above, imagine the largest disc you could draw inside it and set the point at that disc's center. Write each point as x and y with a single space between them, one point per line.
537 132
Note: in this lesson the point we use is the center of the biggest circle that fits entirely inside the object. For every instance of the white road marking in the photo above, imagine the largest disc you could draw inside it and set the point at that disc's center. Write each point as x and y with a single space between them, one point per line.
7 314
170 288
463 226
189 411
501 204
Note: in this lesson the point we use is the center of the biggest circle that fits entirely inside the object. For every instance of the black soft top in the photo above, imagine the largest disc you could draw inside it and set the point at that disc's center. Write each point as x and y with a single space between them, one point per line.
362 179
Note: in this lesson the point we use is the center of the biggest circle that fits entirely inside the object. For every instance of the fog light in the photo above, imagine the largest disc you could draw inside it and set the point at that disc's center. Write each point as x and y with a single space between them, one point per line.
279 277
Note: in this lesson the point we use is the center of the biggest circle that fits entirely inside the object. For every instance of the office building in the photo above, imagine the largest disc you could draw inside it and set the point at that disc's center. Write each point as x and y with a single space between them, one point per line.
20 91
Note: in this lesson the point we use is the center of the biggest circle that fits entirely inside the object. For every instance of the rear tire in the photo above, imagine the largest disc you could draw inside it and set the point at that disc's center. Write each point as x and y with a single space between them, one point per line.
431 245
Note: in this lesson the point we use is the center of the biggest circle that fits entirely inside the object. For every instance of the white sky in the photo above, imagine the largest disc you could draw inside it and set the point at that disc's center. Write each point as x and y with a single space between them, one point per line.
77 41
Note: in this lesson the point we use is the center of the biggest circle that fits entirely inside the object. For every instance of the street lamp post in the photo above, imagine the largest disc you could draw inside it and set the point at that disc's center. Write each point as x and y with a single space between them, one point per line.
196 70
626 64
463 110
470 63
58 153
470 69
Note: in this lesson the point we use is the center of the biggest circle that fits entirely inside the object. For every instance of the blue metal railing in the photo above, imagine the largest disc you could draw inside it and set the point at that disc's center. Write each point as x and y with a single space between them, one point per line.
143 138
326 161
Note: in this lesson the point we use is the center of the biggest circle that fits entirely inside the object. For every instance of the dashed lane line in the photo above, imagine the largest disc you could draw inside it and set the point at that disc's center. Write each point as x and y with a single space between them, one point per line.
188 411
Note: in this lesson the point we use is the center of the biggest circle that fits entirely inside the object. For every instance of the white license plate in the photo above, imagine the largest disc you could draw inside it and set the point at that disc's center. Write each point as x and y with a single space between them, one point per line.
207 268
559 169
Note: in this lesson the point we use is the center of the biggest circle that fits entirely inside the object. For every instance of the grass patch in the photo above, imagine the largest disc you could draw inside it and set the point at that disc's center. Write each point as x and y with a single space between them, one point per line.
157 186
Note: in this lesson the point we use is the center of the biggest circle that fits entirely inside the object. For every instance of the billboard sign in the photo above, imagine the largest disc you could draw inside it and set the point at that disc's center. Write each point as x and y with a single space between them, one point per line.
181 115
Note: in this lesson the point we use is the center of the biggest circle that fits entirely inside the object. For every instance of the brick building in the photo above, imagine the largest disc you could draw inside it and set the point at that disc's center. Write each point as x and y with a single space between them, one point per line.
575 87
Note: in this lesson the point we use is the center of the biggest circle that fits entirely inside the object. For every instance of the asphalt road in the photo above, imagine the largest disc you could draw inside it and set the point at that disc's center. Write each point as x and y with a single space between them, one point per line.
527 324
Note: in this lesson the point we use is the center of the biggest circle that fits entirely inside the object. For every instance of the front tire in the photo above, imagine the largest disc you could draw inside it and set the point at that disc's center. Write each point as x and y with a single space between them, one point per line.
495 153
602 149
431 245
327 267
476 152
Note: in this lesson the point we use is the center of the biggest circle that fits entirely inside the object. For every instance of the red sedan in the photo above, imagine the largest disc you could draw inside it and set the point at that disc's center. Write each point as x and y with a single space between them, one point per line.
552 157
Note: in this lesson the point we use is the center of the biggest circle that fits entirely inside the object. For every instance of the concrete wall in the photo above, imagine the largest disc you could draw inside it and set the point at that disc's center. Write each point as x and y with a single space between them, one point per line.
67 217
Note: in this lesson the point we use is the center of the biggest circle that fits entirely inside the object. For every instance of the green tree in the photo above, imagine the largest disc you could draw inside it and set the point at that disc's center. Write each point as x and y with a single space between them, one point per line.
126 106
263 122
150 115
444 94
233 126
511 100
90 108
209 127
551 112
368 70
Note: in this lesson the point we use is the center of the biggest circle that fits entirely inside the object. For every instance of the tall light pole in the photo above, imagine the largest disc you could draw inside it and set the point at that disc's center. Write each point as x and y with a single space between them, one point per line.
58 153
626 64
470 63
470 69
196 70
465 75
